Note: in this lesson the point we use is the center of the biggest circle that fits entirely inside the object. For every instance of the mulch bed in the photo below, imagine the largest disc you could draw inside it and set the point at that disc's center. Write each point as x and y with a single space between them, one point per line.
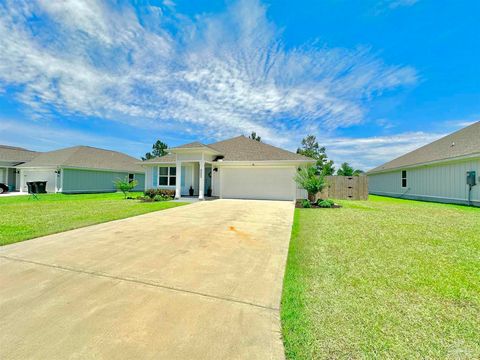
298 205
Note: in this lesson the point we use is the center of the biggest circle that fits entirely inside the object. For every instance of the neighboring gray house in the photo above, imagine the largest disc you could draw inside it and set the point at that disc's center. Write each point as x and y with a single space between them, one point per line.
10 157
238 168
80 169
434 172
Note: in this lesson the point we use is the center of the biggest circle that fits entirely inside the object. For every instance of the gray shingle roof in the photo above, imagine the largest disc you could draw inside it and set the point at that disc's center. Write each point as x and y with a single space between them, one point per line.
86 157
168 158
15 154
241 148
195 144
464 142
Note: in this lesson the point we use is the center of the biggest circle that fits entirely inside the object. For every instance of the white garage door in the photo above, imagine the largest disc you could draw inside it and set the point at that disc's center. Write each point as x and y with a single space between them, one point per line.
41 175
256 182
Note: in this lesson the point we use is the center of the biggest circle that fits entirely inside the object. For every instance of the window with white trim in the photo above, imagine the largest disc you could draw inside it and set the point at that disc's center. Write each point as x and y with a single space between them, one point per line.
131 177
404 178
167 175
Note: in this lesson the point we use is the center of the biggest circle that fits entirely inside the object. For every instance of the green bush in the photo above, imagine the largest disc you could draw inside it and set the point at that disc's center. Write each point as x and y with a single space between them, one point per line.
160 198
306 204
325 203
165 193
331 202
125 186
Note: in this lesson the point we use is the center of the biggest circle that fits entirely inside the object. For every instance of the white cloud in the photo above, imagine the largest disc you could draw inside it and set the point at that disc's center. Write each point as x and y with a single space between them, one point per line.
458 124
42 137
394 4
369 152
214 75
398 3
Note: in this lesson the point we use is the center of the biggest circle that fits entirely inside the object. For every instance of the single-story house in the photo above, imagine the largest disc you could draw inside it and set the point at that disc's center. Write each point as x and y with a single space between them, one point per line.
443 171
237 168
10 158
81 169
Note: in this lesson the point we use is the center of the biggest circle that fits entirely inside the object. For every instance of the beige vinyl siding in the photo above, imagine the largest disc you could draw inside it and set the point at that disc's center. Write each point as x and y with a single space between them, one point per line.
81 181
441 182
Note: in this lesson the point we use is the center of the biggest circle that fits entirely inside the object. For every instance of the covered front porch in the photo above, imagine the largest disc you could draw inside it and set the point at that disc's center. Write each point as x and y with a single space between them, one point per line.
9 176
190 171
195 179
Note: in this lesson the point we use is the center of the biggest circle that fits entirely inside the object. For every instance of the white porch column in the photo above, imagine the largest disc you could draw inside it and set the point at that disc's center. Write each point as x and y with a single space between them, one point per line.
178 183
56 181
60 186
22 180
201 180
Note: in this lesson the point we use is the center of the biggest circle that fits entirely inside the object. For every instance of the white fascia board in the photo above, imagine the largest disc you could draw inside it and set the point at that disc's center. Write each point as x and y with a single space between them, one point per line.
151 163
105 170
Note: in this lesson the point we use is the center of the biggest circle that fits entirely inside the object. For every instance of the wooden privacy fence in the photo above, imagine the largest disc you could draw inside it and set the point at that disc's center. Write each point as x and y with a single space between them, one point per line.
346 187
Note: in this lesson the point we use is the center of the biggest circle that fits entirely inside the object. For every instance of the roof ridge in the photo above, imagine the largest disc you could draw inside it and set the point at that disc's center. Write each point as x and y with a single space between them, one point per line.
78 147
440 139
235 137
440 152
18 148
247 140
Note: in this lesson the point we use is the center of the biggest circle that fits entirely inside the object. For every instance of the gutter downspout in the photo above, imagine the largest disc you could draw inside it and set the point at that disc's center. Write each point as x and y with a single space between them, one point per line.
470 194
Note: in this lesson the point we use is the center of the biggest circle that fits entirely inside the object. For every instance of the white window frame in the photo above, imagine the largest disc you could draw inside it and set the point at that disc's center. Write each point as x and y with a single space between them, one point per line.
133 177
169 176
404 178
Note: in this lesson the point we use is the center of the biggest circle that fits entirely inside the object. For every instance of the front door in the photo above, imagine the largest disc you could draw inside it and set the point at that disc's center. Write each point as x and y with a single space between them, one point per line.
187 178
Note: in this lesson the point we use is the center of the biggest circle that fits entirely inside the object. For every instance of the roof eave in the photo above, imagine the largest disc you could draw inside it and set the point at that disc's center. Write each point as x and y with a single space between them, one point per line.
156 163
72 167
246 162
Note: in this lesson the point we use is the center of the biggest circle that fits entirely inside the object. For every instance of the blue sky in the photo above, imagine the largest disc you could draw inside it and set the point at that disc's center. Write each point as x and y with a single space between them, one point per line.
371 79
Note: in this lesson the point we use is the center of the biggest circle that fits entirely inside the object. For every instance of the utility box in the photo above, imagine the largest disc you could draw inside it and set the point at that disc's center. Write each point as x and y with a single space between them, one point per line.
471 178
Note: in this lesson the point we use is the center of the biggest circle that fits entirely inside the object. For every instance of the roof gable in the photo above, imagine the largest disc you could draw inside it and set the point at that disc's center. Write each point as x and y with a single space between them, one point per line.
241 148
167 158
463 142
192 145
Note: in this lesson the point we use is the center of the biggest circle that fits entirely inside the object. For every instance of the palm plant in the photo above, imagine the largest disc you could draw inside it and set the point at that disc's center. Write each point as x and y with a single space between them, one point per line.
347 170
311 181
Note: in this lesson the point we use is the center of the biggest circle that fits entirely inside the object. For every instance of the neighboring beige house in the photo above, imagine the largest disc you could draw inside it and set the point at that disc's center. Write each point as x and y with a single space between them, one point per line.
434 172
80 169
10 158
237 168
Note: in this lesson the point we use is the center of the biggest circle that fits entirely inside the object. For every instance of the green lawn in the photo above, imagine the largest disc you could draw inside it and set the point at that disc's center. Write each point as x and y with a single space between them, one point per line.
22 219
384 278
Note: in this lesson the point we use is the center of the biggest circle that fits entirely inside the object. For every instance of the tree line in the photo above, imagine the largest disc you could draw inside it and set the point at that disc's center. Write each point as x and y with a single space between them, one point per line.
309 147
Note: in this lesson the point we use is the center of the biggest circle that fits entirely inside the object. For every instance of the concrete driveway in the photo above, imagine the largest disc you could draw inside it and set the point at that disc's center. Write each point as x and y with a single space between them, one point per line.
201 281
